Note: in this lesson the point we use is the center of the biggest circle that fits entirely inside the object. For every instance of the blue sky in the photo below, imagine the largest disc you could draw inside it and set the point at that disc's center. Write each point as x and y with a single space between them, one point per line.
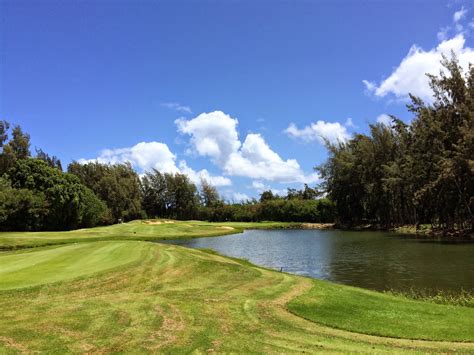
238 92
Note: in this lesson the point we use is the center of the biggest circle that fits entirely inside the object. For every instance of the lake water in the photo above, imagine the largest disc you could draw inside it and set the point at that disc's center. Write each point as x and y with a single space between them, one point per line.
374 260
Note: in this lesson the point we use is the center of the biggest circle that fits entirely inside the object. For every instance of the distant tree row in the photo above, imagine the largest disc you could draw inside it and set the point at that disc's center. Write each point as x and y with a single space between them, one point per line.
278 209
422 172
175 196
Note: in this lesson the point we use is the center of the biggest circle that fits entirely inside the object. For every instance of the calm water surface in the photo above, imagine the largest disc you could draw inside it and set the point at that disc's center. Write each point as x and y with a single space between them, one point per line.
374 260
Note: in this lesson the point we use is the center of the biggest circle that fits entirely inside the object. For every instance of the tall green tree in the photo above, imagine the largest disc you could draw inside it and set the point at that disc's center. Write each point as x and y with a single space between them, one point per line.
169 195
118 185
49 198
414 173
18 147
209 194
52 160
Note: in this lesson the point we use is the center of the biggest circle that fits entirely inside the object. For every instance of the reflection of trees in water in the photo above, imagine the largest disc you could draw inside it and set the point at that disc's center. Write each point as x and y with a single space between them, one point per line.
374 260
382 262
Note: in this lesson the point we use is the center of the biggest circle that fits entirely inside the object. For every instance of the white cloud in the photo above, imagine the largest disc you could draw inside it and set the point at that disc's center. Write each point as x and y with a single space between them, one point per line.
331 131
144 155
196 176
369 85
457 27
443 33
459 15
212 134
384 119
409 76
350 123
215 135
177 106
155 155
257 160
260 187
240 197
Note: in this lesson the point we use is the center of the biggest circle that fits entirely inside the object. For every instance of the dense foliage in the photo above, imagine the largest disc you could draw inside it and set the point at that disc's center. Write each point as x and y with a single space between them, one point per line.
284 209
118 185
175 196
422 172
35 196
280 209
169 195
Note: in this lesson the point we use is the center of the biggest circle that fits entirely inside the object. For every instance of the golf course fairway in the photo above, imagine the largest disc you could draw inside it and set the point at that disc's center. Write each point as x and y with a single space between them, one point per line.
122 295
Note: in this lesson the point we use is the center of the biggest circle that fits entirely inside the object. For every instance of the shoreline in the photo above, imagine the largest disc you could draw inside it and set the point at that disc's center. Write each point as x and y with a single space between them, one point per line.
425 232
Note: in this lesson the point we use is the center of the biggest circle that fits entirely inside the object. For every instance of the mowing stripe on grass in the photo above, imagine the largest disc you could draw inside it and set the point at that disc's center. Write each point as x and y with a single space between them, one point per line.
18 270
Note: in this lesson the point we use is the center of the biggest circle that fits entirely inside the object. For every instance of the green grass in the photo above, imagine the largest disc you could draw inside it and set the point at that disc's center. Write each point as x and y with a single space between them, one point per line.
135 296
375 313
32 268
462 298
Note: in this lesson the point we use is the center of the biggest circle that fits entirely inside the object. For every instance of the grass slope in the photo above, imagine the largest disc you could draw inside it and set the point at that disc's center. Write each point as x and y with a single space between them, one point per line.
62 263
375 313
173 299
135 230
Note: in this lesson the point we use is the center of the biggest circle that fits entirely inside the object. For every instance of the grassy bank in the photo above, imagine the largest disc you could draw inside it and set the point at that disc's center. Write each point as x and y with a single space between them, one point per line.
134 296
368 312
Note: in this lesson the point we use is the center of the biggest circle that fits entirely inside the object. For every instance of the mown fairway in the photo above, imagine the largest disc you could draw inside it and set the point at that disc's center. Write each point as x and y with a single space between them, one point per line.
138 296
31 268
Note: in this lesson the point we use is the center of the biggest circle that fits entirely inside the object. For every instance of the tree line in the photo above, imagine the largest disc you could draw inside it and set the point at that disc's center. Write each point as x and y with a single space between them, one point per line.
305 205
175 196
36 194
416 173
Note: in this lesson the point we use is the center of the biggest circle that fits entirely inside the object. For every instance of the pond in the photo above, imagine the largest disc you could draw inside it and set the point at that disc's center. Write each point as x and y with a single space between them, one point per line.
374 260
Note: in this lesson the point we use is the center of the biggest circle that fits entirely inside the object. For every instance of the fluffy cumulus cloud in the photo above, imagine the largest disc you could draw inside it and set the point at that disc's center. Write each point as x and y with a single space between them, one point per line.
320 131
215 135
197 176
212 134
155 155
257 160
409 76
144 155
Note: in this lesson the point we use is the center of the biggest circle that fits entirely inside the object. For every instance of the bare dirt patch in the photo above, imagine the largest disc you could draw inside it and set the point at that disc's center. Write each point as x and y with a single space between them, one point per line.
170 328
10 343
